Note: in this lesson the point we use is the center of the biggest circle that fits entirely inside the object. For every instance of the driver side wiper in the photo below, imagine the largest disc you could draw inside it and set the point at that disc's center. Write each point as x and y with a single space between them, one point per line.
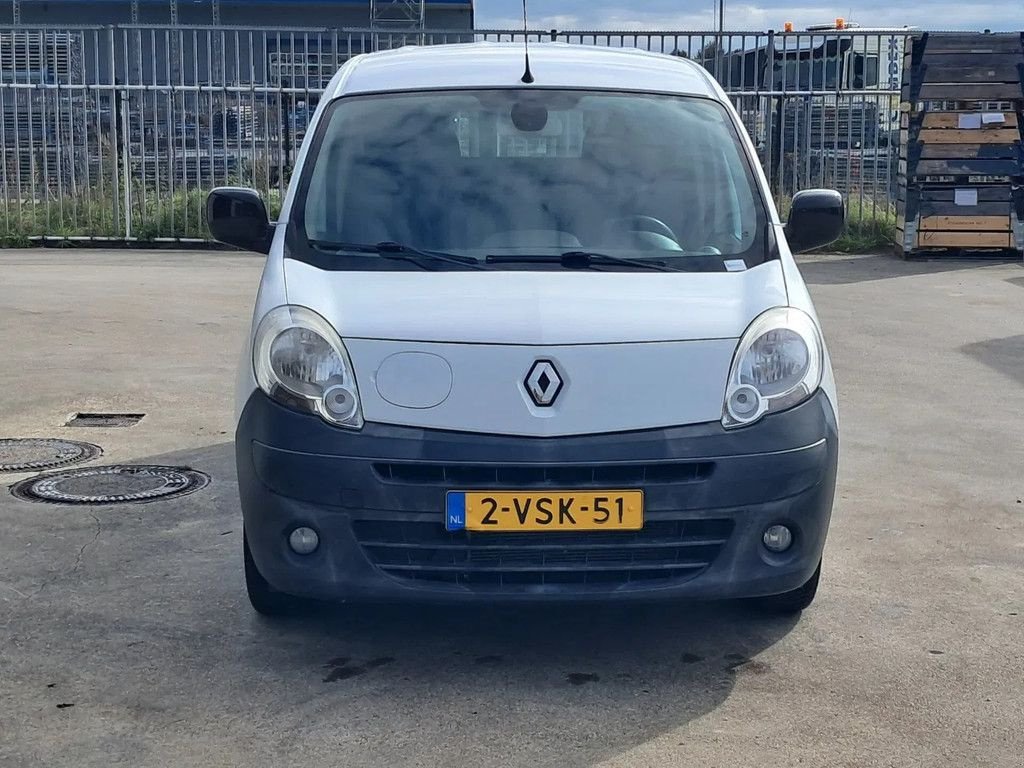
583 260
399 251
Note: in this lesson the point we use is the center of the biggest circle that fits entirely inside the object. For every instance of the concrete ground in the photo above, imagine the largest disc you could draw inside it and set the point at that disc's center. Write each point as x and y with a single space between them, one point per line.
126 637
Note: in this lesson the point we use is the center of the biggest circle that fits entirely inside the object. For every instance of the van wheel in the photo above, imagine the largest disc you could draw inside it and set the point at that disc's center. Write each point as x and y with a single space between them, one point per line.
791 602
264 598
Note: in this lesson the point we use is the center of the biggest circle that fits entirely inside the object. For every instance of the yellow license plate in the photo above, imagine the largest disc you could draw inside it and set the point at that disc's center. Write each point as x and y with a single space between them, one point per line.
544 511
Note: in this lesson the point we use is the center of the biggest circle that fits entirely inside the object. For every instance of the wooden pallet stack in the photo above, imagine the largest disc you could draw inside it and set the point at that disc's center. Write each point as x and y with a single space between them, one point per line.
961 169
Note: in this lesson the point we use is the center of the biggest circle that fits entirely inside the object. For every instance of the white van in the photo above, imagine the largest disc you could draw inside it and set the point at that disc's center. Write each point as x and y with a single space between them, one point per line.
531 334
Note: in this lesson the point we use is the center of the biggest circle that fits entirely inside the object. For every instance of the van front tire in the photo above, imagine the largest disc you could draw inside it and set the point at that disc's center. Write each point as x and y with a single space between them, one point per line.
265 600
792 602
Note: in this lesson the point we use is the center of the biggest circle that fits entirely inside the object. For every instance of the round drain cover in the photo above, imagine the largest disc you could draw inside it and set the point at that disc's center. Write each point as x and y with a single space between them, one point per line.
118 484
32 453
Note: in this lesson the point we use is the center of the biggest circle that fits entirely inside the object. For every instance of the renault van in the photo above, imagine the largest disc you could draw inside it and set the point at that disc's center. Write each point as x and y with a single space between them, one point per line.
531 333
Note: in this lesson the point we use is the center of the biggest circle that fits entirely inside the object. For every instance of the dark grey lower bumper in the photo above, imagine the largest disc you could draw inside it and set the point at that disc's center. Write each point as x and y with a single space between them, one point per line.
377 499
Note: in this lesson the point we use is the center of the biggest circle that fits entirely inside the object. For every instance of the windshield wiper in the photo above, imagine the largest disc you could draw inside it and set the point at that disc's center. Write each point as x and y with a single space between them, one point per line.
399 251
583 260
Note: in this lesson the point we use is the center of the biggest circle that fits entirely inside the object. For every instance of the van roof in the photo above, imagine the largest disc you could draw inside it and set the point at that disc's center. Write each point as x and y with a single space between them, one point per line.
501 65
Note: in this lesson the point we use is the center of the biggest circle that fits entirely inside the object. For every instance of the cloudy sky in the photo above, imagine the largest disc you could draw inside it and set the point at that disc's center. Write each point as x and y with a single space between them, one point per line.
751 14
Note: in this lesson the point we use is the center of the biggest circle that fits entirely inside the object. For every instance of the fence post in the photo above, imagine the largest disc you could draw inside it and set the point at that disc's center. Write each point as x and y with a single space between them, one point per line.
126 163
286 125
768 113
115 133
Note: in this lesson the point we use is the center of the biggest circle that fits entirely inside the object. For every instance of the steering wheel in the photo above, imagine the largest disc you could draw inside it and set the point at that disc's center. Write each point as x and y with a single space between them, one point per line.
642 223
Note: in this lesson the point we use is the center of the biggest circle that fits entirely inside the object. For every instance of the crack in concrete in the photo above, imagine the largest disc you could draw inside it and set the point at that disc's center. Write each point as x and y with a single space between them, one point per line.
55 575
81 552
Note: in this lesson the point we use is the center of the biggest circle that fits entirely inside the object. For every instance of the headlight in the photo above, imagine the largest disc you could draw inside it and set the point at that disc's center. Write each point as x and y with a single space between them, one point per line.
300 361
777 365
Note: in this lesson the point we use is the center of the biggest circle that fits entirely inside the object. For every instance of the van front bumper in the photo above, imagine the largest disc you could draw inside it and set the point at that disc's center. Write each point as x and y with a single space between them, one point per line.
377 500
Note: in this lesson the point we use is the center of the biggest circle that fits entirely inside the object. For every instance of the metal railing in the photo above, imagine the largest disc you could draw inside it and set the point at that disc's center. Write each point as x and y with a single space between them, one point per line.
118 132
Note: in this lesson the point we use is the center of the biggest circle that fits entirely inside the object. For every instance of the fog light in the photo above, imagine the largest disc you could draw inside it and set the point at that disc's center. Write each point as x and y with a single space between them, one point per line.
744 403
303 541
777 538
340 402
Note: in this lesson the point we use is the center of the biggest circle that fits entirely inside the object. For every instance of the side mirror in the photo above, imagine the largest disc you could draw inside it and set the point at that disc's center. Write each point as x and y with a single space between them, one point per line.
237 216
816 219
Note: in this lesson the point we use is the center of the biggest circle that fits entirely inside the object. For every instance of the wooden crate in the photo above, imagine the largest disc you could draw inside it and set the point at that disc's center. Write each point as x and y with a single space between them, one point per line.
964 224
946 220
931 201
961 166
952 119
999 241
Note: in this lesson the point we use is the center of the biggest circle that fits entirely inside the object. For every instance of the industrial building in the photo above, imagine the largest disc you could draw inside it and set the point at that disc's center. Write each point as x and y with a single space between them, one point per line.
170 93
283 43
433 14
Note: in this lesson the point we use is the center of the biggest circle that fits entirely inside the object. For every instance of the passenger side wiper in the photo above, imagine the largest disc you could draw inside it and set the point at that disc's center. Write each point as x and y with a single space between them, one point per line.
583 260
389 250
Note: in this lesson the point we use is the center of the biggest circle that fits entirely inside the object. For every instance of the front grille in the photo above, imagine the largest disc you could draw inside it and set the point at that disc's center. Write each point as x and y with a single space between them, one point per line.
543 475
663 551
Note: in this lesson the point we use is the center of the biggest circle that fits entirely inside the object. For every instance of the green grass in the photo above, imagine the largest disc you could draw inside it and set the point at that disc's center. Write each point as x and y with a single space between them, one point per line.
153 216
57 217
869 229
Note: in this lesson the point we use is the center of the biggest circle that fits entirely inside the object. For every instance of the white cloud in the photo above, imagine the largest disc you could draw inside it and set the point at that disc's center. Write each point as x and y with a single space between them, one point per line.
557 21
750 16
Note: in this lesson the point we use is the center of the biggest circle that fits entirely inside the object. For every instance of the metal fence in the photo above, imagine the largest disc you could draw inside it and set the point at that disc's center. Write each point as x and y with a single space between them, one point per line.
118 132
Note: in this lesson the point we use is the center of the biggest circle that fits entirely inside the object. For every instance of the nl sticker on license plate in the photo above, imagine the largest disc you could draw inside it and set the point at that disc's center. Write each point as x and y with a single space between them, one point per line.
545 511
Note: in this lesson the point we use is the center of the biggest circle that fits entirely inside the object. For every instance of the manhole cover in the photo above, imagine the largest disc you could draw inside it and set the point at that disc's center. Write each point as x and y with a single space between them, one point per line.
32 453
119 484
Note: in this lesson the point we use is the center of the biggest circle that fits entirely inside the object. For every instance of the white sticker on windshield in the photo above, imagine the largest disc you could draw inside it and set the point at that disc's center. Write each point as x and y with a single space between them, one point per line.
735 265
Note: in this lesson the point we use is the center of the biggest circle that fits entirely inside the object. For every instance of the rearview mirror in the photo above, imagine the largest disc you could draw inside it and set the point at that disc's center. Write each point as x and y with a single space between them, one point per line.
816 219
237 216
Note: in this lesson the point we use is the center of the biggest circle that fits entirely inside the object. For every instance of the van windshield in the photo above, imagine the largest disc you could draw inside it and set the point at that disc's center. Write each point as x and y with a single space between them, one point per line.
520 179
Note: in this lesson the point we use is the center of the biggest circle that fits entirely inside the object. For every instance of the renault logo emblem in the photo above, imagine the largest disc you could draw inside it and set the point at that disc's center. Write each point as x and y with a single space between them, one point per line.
543 382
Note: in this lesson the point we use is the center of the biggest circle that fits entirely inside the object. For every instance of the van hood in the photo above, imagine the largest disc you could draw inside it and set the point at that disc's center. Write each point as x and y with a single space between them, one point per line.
537 308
